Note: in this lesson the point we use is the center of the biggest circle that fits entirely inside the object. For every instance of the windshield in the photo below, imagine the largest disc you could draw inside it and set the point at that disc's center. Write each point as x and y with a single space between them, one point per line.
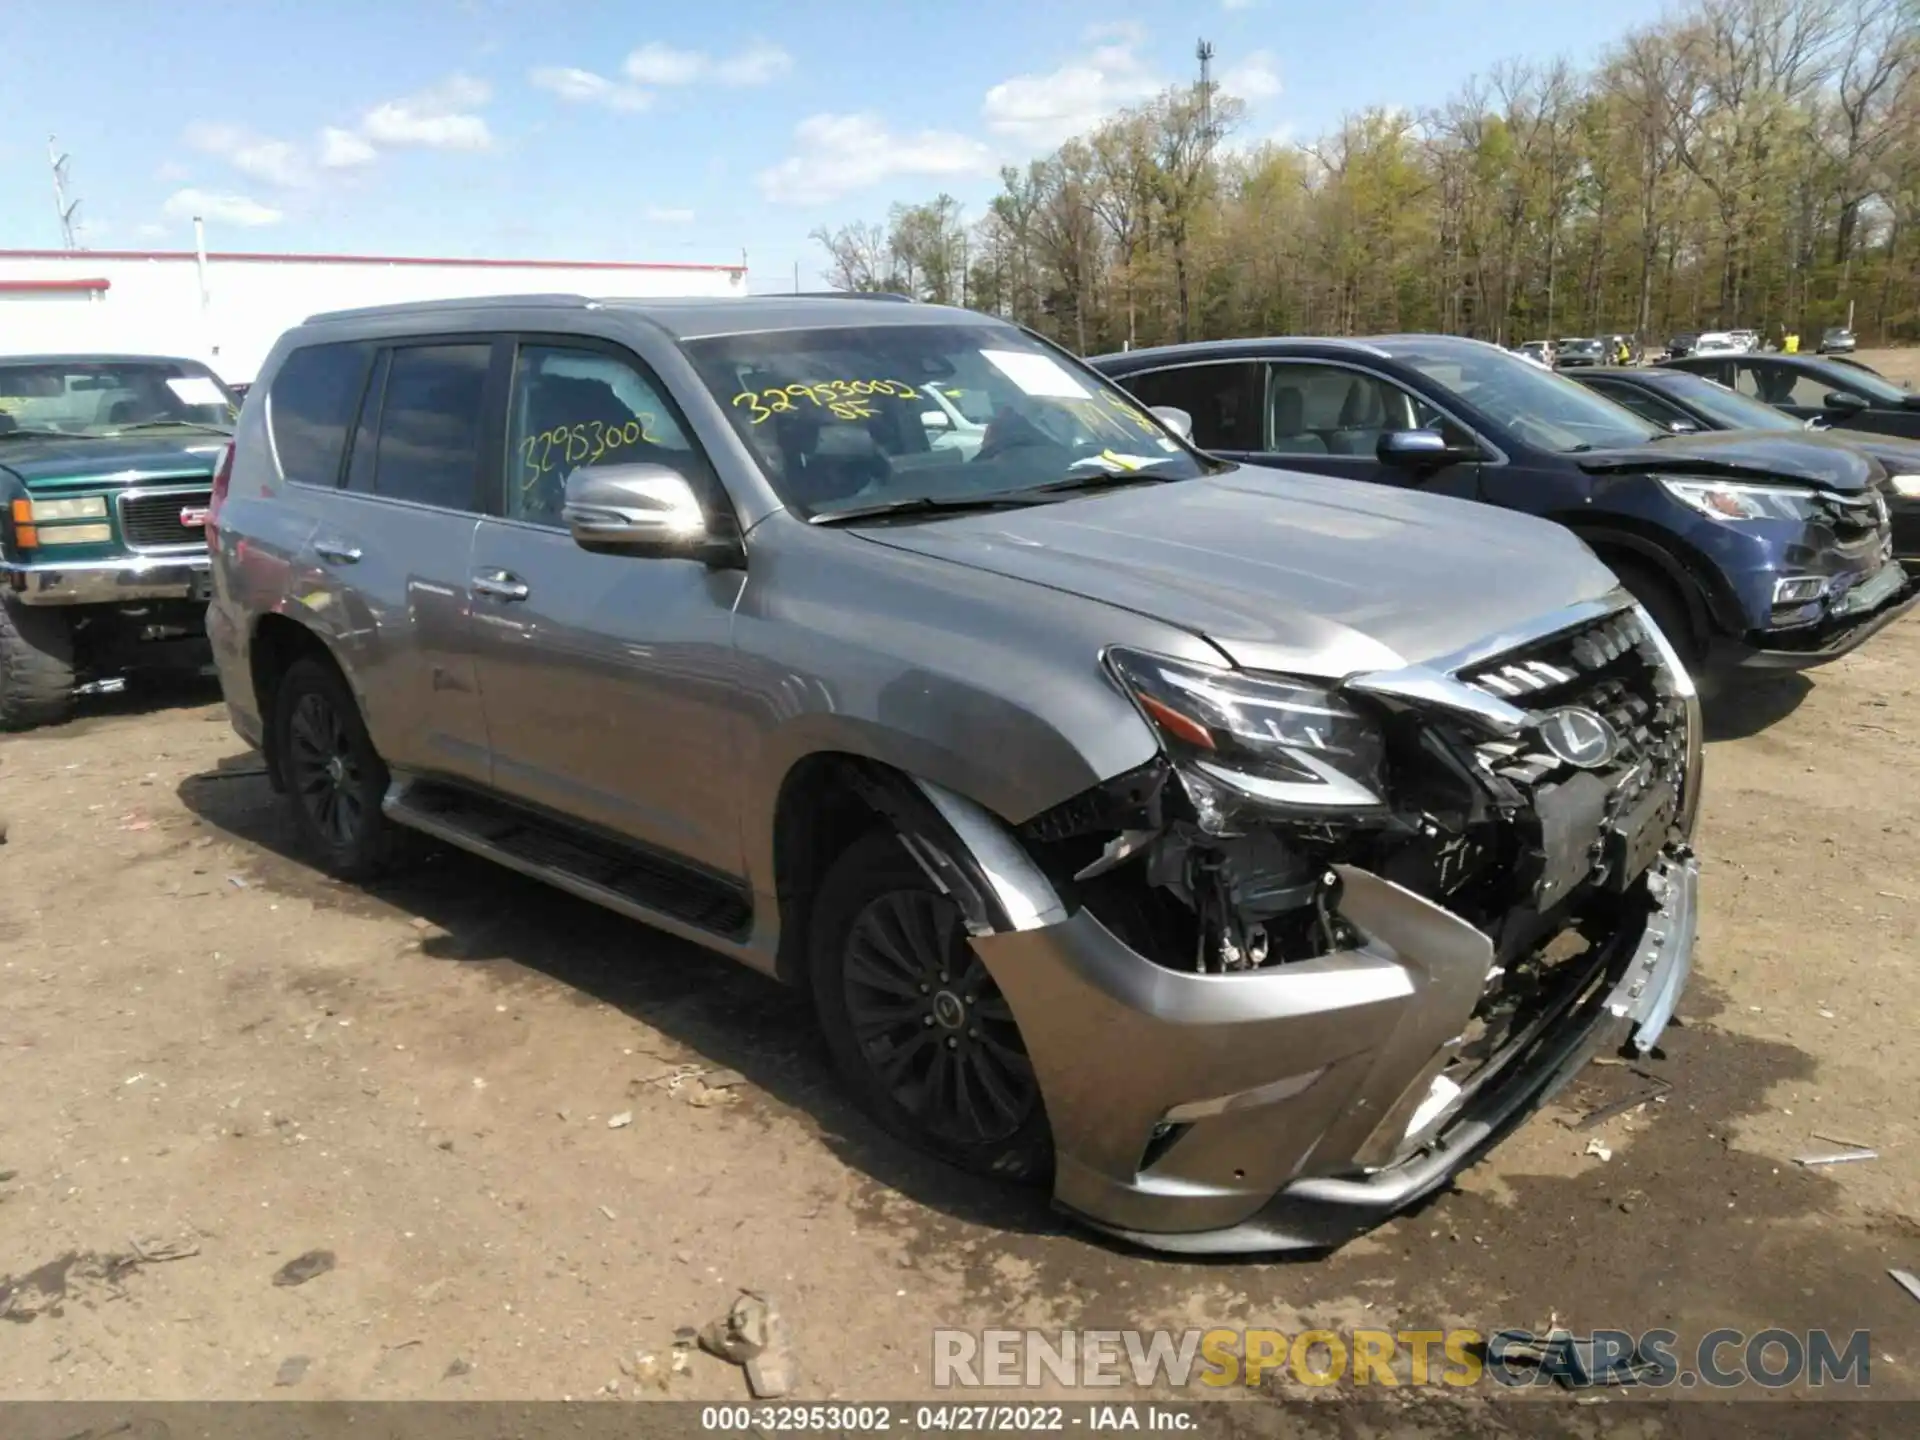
866 418
1538 407
1728 407
109 397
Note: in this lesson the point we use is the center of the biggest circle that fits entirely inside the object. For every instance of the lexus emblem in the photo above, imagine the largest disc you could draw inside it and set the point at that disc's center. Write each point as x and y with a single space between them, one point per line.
1579 737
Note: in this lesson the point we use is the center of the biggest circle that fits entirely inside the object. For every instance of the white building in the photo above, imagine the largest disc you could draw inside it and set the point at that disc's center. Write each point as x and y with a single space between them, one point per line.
228 309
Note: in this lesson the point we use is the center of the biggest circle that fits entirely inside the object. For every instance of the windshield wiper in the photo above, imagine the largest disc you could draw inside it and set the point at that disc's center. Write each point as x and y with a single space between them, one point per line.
26 432
929 505
199 425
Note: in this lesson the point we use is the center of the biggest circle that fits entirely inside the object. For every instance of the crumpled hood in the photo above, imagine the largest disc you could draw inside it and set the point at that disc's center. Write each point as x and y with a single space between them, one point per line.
1797 457
1284 571
125 460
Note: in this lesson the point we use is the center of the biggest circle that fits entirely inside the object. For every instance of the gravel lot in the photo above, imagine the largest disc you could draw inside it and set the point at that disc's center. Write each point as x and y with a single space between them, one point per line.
210 1048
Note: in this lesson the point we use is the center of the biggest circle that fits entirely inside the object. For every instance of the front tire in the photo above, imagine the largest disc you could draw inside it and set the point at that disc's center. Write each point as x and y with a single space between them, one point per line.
36 665
917 1028
335 778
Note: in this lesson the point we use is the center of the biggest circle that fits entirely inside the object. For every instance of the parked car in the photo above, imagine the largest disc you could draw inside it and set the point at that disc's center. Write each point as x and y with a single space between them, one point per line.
1812 387
1751 551
1575 352
106 464
1682 344
1175 828
1836 340
1540 352
1674 398
1746 341
1715 342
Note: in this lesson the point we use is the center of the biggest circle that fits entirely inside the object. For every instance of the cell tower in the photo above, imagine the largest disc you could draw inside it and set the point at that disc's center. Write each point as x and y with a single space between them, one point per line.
1203 52
66 209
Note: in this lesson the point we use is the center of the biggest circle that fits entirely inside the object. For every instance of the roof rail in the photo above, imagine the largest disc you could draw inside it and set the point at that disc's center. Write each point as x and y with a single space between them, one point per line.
464 302
894 296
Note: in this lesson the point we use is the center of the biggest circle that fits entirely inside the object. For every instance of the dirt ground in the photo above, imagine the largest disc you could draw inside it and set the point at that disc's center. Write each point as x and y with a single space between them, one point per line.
210 1049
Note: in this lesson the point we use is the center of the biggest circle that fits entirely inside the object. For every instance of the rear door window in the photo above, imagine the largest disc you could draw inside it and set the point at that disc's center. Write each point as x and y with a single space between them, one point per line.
1222 398
430 425
311 406
1640 402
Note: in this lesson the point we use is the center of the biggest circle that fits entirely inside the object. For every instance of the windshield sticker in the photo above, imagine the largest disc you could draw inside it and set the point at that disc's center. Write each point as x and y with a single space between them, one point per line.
1038 375
196 390
565 448
847 399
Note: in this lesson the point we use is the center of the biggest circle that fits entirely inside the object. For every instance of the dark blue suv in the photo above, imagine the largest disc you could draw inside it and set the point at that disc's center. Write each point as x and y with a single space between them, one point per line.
1752 550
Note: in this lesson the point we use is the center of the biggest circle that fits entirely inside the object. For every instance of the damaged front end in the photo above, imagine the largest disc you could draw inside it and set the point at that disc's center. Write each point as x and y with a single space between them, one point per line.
1336 938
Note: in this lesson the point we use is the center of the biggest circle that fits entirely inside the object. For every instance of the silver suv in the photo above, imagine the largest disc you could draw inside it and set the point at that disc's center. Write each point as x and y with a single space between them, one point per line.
1241 851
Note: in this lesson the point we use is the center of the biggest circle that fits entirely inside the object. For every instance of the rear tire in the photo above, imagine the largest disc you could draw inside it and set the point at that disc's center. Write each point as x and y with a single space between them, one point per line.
335 778
1661 599
36 665
917 1028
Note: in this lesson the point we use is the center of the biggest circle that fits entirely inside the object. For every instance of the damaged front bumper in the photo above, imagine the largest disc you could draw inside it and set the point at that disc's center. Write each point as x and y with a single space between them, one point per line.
1890 593
1298 1106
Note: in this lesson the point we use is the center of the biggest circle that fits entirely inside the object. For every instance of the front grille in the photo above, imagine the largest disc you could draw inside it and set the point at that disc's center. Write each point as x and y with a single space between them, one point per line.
1855 518
1610 667
150 520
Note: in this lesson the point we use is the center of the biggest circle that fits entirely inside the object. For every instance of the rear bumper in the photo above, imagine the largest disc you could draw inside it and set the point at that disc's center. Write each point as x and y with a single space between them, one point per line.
1805 651
108 582
1287 1108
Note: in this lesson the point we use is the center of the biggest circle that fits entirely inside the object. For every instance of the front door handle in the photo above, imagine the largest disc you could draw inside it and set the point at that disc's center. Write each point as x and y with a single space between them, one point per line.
501 585
339 552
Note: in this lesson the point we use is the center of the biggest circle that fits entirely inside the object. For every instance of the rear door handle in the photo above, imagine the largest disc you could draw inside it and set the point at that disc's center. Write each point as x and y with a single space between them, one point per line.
337 551
501 585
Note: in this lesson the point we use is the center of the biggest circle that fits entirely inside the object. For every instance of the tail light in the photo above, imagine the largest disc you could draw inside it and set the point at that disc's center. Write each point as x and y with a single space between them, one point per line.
222 478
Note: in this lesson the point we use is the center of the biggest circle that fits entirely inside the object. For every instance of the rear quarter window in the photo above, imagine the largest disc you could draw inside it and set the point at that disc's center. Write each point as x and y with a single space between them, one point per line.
311 407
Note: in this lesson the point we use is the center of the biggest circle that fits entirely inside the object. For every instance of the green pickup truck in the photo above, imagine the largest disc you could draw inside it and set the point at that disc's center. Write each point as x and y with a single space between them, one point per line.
106 470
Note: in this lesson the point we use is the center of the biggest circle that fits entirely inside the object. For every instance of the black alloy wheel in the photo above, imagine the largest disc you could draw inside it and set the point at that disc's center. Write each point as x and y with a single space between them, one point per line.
333 775
933 1024
917 1027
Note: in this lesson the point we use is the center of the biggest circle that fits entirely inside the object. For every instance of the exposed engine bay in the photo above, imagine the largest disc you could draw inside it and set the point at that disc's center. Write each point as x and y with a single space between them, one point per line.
1539 840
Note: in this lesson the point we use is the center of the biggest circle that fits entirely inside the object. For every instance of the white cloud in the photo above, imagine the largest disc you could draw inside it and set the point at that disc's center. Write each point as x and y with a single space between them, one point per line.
835 155
171 172
345 149
584 87
151 230
1253 79
1117 32
258 157
669 215
759 63
439 118
657 64
224 208
1043 110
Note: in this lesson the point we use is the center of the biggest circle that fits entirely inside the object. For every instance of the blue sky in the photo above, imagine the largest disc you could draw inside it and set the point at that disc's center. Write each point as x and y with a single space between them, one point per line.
598 131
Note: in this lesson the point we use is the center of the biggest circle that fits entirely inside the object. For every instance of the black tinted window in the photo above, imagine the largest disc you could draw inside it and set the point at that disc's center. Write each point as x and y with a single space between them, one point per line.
1222 399
429 447
311 406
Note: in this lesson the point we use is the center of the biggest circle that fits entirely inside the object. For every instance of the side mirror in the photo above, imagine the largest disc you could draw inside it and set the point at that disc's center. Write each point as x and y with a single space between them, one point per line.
1845 401
640 510
1683 427
1176 420
1419 450
935 420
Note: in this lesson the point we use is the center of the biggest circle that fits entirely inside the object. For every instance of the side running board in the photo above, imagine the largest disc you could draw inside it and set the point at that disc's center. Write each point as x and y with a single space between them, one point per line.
642 886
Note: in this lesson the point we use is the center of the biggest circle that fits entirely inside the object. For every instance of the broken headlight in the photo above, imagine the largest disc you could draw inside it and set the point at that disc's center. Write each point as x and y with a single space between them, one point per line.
1728 500
1288 744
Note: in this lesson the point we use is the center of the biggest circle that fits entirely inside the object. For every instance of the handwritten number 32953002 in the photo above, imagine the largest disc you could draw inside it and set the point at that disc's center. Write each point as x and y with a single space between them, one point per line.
567 447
